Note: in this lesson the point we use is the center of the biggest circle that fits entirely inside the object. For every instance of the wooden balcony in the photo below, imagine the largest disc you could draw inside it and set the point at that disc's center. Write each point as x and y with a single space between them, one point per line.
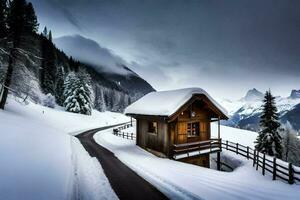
196 148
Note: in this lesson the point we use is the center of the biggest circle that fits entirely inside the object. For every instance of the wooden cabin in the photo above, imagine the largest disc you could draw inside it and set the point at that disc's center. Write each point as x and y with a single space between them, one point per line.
176 124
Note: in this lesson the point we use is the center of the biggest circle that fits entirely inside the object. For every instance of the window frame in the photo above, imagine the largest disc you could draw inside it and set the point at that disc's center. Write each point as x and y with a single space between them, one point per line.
188 133
154 127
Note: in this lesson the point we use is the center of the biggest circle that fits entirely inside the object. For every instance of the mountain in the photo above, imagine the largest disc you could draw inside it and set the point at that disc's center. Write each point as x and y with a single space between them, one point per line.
245 113
114 85
295 94
253 95
104 62
90 52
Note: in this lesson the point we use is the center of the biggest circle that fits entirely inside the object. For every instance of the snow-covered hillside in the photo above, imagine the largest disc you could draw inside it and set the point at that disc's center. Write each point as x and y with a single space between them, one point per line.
65 122
244 113
40 160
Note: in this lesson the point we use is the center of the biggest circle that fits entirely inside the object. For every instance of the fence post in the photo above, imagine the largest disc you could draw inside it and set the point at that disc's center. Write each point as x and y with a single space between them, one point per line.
218 161
226 144
274 168
131 136
291 174
237 148
264 164
254 158
248 152
257 159
122 134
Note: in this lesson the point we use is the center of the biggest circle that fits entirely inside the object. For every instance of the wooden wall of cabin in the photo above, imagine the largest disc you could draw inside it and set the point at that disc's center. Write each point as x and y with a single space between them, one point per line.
158 142
202 115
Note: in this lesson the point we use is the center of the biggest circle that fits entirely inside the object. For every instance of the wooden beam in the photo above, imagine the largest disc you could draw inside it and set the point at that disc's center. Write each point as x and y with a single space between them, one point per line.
218 161
219 135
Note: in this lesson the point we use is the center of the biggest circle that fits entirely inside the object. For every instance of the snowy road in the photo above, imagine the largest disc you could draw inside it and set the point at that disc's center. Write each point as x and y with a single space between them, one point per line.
124 181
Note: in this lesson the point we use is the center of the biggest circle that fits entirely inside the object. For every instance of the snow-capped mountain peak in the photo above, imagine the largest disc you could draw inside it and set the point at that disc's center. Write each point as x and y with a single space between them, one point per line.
295 94
253 95
246 111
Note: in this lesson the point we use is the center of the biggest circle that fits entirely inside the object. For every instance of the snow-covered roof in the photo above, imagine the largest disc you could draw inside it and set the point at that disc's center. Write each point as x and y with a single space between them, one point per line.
166 103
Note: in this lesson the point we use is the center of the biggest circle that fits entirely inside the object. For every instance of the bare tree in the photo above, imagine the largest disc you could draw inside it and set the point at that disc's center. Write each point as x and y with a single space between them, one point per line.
291 144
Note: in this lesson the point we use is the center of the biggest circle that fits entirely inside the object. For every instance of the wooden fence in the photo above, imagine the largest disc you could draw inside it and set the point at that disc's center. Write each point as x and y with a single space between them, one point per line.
120 132
276 167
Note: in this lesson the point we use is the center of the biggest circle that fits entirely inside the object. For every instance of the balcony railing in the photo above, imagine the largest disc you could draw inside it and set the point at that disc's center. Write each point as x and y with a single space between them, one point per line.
196 148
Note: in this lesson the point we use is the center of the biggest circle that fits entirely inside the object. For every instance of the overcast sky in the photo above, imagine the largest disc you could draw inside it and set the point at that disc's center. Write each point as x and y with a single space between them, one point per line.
223 46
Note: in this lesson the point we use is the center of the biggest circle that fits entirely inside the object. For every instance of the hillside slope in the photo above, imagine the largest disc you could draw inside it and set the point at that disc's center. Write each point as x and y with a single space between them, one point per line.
45 65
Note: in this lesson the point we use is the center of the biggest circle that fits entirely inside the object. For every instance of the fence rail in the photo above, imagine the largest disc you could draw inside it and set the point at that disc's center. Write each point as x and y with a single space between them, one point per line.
276 167
212 145
120 132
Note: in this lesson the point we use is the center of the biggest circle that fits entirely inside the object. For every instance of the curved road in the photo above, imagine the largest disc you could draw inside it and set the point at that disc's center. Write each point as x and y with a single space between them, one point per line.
124 181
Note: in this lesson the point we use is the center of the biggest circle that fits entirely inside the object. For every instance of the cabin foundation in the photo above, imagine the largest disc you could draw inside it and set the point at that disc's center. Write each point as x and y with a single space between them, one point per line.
201 160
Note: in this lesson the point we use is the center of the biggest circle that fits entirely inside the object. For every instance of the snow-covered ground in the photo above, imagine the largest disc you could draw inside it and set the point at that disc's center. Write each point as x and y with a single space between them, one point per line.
66 122
235 135
40 160
185 181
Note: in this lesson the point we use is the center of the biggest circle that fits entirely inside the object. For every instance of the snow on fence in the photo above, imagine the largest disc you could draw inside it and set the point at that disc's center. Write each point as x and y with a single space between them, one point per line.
276 167
120 132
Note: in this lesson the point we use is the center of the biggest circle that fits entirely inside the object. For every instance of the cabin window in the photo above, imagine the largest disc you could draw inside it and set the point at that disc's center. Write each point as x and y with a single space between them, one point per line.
193 129
152 127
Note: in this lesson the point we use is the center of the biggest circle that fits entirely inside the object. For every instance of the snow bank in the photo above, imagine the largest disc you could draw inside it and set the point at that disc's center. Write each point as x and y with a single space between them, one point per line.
40 160
90 180
166 103
184 181
35 160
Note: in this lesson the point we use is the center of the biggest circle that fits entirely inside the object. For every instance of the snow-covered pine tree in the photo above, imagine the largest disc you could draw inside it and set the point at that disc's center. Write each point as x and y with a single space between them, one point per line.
86 87
269 140
99 103
77 93
70 85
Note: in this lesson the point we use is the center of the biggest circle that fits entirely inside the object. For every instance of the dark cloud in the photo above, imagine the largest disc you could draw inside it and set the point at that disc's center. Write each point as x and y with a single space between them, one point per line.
208 43
56 4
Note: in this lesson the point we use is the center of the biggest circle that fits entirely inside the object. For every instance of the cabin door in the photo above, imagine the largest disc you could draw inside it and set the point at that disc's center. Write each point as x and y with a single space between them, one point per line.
204 131
181 133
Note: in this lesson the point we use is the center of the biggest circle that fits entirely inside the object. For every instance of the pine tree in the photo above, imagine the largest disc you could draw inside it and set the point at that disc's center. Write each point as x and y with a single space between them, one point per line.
45 32
269 140
59 86
86 89
31 24
99 99
77 94
50 36
3 13
16 19
48 69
